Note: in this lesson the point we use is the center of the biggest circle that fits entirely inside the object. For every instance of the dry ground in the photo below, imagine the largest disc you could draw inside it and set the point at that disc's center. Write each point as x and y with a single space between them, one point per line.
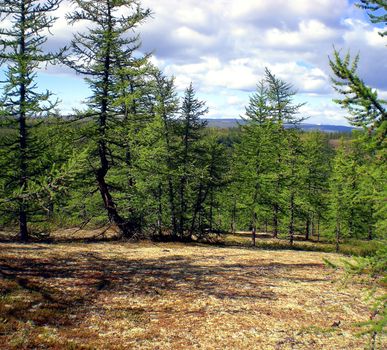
174 296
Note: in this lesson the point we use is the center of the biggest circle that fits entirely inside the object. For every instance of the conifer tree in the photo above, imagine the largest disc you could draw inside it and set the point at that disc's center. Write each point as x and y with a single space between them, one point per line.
212 165
190 125
282 108
156 164
317 162
340 194
376 10
166 108
22 104
282 111
103 55
258 108
254 169
263 149
366 109
293 177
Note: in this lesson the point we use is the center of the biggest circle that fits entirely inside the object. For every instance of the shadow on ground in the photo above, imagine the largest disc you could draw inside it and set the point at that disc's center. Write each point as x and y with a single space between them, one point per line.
52 288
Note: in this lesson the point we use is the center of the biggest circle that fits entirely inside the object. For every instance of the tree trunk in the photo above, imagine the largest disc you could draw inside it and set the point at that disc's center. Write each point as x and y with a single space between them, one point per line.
233 217
350 223
171 193
127 229
23 224
202 195
337 248
370 236
183 180
23 137
172 206
318 229
312 226
275 220
23 172
254 229
307 229
160 210
291 223
197 208
182 207
211 209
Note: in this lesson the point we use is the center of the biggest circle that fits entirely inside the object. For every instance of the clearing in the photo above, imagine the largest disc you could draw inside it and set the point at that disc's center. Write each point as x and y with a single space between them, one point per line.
175 296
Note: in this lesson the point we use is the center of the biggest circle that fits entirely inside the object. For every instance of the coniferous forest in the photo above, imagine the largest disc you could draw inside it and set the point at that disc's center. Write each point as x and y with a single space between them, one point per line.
139 161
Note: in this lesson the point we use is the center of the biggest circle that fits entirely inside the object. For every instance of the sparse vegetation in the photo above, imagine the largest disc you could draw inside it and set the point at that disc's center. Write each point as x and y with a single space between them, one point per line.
168 295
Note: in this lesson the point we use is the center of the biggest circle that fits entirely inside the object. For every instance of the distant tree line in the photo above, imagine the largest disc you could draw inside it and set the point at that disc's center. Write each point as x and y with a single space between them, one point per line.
140 158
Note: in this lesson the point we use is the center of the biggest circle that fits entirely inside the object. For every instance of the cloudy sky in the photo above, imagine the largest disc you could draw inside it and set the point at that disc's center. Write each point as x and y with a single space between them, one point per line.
223 46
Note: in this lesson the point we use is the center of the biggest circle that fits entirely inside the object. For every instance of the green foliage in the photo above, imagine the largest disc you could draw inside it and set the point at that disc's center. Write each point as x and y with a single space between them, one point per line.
377 11
360 100
23 157
366 168
376 265
105 56
281 174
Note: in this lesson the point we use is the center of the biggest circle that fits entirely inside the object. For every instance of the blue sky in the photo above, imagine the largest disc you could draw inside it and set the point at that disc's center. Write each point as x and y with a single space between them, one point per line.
223 46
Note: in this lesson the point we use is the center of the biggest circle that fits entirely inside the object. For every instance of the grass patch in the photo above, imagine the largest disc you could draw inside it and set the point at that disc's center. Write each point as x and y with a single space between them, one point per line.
264 241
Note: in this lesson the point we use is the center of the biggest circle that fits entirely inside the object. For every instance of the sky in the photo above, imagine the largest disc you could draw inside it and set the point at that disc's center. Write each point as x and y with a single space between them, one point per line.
223 47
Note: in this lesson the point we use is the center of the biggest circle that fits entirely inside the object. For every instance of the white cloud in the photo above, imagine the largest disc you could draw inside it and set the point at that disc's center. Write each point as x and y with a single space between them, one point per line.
223 46
233 41
309 32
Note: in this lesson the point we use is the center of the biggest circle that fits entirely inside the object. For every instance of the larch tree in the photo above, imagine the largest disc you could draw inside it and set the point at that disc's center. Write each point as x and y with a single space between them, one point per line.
166 108
212 165
282 111
318 159
376 10
103 55
261 154
294 177
156 163
340 194
369 111
22 37
190 125
257 111
366 109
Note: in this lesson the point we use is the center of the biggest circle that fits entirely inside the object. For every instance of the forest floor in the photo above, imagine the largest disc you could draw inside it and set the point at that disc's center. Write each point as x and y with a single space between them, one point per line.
115 295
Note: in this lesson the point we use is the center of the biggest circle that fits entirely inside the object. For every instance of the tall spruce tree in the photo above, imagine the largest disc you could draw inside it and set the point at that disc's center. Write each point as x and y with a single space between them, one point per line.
25 24
103 55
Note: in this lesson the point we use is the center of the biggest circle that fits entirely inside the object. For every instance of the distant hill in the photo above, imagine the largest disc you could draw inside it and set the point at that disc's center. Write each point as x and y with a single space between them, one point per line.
234 122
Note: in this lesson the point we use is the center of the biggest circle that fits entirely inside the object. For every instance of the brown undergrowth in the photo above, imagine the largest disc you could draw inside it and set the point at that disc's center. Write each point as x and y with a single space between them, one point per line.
173 296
